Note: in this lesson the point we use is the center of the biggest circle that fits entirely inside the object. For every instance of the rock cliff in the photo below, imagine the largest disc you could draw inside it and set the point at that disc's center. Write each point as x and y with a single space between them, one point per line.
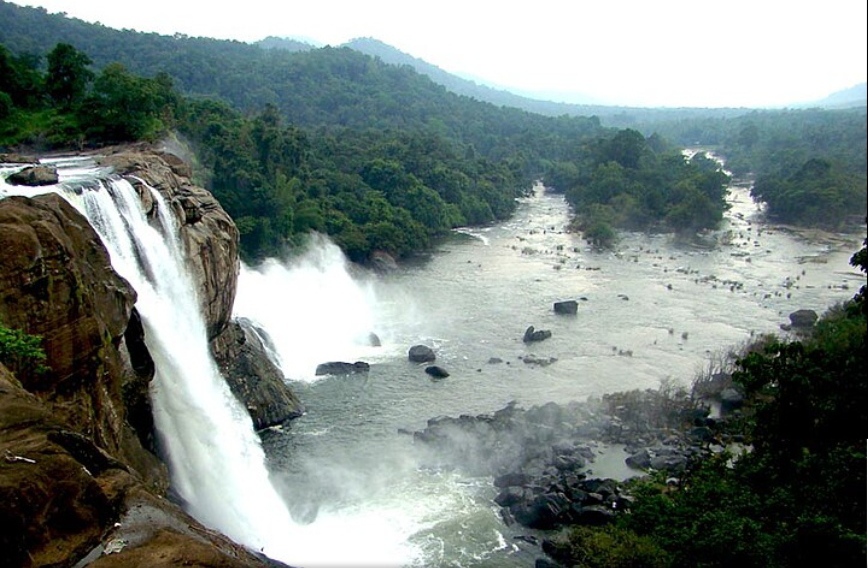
79 480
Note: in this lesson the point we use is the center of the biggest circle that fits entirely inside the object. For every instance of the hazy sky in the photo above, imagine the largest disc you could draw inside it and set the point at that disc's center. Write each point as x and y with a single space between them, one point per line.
634 52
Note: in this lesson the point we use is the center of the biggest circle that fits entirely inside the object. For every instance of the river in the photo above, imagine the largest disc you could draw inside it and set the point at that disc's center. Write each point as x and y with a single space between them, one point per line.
653 310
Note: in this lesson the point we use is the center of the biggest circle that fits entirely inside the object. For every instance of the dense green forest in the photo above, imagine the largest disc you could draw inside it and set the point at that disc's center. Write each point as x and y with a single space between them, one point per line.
628 181
809 165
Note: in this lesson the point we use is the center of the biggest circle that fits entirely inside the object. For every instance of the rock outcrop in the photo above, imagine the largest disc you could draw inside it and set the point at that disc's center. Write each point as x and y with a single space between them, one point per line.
35 176
252 377
56 281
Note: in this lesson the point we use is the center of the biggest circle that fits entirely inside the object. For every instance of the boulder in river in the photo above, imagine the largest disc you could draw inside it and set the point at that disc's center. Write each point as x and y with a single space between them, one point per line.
374 340
437 372
34 176
342 368
531 334
803 318
566 307
421 354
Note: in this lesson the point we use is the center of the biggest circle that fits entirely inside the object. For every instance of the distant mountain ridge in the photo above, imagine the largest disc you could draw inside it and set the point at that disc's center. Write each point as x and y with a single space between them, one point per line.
456 84
285 43
854 96
611 115
614 116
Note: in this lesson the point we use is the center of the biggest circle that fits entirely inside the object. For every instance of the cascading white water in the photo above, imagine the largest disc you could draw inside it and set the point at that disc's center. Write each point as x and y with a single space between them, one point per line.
215 458
312 307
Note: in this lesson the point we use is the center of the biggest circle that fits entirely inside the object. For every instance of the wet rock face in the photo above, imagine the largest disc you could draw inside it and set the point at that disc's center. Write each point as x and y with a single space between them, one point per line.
56 281
65 499
253 378
209 235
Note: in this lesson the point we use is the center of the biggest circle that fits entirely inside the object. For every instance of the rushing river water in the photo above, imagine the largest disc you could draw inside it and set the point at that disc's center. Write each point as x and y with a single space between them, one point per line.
653 310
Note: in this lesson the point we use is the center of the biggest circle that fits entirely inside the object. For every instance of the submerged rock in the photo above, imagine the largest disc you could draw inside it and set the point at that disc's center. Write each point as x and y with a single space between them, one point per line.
342 368
437 372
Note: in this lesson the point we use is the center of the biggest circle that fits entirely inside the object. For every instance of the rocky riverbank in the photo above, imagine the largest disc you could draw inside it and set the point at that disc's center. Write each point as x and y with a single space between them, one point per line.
541 459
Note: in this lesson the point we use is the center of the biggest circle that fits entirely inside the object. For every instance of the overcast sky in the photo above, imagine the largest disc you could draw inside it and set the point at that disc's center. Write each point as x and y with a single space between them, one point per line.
750 53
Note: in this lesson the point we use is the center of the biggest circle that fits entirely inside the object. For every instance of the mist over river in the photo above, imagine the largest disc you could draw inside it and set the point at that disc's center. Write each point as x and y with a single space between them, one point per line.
654 309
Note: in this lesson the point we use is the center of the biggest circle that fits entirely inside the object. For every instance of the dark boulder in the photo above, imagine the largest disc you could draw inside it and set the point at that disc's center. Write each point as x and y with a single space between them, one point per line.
639 460
512 480
437 372
803 318
672 463
594 515
342 368
566 307
545 512
531 335
731 399
421 354
510 496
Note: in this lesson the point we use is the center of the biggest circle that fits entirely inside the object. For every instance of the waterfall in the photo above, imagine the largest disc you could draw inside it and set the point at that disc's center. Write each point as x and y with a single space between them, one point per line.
323 314
215 459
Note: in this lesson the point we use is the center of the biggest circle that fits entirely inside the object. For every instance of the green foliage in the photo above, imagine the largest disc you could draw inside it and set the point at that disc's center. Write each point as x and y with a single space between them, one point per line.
629 182
713 519
68 108
20 78
809 165
123 107
609 547
21 353
817 193
68 75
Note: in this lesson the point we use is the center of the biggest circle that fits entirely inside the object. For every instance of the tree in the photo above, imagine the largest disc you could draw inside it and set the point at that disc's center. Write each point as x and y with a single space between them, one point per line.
68 75
123 107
